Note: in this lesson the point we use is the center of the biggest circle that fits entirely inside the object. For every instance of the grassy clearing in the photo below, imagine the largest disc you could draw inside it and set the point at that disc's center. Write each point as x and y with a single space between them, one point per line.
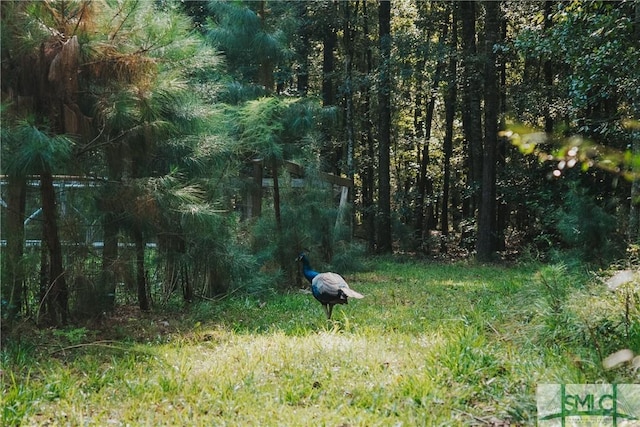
431 344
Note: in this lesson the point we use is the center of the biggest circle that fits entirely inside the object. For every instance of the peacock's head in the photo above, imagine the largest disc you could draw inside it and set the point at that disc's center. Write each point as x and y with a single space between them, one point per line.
302 257
308 273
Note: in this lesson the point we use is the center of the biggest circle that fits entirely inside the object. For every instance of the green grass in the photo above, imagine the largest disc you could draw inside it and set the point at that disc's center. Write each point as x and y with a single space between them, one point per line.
431 344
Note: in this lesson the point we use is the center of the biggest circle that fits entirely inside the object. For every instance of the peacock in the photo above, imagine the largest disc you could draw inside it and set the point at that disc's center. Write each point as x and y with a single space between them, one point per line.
328 288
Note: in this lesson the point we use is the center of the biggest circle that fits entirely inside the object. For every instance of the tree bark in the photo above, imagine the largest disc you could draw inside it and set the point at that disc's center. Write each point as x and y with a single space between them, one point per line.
634 205
348 89
266 65
305 47
384 131
141 277
13 272
256 190
328 64
450 111
276 194
471 97
548 71
331 152
110 204
368 176
502 208
109 258
44 280
187 288
424 182
56 299
486 243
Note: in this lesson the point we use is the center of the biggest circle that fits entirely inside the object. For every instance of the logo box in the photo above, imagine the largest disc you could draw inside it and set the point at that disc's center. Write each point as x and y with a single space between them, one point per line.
588 405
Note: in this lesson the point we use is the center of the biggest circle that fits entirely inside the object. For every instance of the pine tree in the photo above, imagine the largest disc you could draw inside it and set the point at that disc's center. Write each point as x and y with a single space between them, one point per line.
384 130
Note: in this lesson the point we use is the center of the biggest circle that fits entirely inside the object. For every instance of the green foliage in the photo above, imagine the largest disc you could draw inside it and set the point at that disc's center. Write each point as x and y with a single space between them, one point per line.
309 214
73 335
235 93
262 126
162 36
556 284
614 322
577 189
349 258
555 287
19 399
586 227
273 127
30 149
24 29
596 39
250 38
591 47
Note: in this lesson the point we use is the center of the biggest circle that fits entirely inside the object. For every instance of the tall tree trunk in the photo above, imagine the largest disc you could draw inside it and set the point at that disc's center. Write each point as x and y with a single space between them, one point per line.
424 182
141 276
56 299
305 47
108 278
332 154
348 89
368 178
634 206
350 125
450 111
110 205
328 63
266 66
276 193
384 130
486 216
471 99
44 279
12 268
281 252
502 214
256 190
172 248
187 287
548 70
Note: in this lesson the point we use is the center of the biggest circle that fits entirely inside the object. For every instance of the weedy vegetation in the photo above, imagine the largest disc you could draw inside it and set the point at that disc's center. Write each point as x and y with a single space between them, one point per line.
431 344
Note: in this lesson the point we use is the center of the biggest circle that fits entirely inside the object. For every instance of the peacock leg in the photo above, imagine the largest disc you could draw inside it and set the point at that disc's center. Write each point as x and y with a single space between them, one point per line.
330 311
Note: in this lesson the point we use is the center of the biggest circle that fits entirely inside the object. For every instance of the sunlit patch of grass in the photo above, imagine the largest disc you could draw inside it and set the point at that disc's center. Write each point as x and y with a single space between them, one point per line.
428 345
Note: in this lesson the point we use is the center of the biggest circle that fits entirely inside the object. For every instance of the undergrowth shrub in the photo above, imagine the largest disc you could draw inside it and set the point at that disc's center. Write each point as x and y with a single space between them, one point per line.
612 316
222 259
309 221
585 227
578 312
554 285
604 330
349 258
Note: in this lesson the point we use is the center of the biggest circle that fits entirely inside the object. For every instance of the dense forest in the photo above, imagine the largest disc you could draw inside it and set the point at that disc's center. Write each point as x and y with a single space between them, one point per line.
160 151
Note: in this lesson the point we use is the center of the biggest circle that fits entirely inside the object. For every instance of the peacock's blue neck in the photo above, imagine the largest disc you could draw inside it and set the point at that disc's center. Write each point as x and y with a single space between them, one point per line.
309 274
